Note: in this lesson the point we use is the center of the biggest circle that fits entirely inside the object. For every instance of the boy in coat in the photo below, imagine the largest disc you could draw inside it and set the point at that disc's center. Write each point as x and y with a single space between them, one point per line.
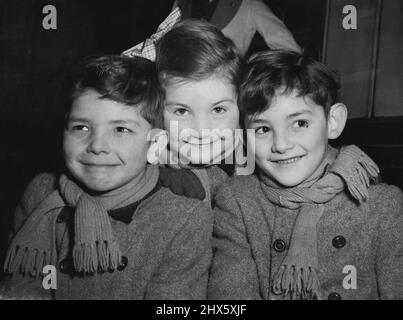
105 224
311 223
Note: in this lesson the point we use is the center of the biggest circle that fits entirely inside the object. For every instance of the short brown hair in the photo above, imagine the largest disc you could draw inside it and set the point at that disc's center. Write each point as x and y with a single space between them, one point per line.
195 50
270 71
130 81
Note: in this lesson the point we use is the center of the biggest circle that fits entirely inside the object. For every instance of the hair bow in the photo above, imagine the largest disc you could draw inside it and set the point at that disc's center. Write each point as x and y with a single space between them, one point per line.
146 49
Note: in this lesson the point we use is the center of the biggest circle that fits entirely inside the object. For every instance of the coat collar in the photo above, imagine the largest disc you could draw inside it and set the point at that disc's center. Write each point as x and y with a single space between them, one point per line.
125 214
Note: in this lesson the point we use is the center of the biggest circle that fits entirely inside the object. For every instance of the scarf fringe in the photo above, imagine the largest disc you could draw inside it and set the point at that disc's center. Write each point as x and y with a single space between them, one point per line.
27 260
362 174
297 283
103 256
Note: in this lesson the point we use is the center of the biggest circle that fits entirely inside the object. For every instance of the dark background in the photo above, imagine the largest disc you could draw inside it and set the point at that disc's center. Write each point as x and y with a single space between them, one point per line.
33 62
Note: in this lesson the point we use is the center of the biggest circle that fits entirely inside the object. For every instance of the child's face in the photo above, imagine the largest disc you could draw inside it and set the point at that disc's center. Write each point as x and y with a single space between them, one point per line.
105 142
291 139
205 104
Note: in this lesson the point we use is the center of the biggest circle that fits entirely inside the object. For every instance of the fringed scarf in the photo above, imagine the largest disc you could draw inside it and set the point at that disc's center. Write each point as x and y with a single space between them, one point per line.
297 276
95 247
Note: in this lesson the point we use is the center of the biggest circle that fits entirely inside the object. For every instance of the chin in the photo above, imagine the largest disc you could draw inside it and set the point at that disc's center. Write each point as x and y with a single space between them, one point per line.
197 154
287 180
99 186
289 183
103 184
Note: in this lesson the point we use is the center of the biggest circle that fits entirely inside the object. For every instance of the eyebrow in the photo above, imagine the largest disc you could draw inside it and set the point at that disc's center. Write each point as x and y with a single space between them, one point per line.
116 122
257 121
173 103
299 113
134 122
223 100
168 104
290 116
76 119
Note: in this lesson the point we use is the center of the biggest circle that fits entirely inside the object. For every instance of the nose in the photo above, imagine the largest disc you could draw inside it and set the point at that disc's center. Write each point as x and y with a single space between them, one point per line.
202 126
98 143
281 143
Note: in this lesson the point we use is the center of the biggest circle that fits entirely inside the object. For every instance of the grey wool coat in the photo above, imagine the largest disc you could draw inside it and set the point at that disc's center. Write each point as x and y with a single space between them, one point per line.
251 238
166 245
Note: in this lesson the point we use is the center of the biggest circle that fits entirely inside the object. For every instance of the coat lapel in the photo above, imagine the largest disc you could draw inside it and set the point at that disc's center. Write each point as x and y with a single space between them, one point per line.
258 229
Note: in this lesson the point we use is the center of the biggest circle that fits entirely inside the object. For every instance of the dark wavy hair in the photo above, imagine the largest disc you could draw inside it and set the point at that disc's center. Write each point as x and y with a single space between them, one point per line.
272 73
129 81
196 50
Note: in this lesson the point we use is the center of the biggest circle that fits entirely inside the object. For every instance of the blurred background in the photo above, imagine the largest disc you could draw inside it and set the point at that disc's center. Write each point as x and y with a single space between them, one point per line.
33 61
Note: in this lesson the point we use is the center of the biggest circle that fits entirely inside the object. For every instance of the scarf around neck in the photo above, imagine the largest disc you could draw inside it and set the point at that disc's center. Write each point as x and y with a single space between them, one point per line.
95 247
352 169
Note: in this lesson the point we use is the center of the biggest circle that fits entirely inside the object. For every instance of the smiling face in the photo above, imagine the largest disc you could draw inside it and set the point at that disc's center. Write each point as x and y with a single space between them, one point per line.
105 142
196 106
291 139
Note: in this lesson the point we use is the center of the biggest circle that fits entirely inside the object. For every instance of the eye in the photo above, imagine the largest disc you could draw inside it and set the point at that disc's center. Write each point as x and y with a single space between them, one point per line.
301 124
181 112
123 130
80 127
262 130
219 110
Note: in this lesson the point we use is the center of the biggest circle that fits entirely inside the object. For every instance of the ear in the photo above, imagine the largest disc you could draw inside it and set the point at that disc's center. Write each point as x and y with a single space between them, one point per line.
336 120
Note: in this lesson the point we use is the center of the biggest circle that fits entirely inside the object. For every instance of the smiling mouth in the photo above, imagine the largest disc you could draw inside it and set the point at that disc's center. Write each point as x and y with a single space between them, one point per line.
202 142
99 165
288 161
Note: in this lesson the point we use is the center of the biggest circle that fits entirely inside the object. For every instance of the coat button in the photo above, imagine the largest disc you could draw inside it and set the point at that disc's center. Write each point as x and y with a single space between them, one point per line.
64 266
339 242
279 245
123 264
334 296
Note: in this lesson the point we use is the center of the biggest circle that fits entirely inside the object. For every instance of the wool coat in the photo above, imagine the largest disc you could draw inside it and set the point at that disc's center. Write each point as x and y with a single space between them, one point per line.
360 247
165 243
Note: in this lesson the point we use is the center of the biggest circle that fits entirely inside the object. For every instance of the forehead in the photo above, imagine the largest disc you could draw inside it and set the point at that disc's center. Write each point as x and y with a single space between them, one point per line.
90 105
90 102
285 106
207 90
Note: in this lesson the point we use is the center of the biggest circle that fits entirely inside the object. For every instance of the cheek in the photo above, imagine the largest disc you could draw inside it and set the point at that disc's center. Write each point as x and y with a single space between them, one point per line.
167 120
232 120
261 149
315 140
173 124
71 146
134 151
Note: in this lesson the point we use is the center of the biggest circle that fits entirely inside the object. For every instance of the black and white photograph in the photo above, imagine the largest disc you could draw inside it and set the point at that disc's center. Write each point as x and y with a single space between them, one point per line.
218 151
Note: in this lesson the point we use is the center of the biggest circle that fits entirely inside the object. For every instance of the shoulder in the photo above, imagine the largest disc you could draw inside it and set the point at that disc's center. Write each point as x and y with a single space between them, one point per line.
384 198
239 187
217 177
44 181
173 211
241 183
38 189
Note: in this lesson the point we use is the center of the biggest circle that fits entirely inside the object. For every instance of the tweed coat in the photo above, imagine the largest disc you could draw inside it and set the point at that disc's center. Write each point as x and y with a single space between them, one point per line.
166 248
355 242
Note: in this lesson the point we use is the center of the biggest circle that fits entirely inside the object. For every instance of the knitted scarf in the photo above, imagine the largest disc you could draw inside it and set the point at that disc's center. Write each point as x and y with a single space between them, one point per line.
297 276
95 247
